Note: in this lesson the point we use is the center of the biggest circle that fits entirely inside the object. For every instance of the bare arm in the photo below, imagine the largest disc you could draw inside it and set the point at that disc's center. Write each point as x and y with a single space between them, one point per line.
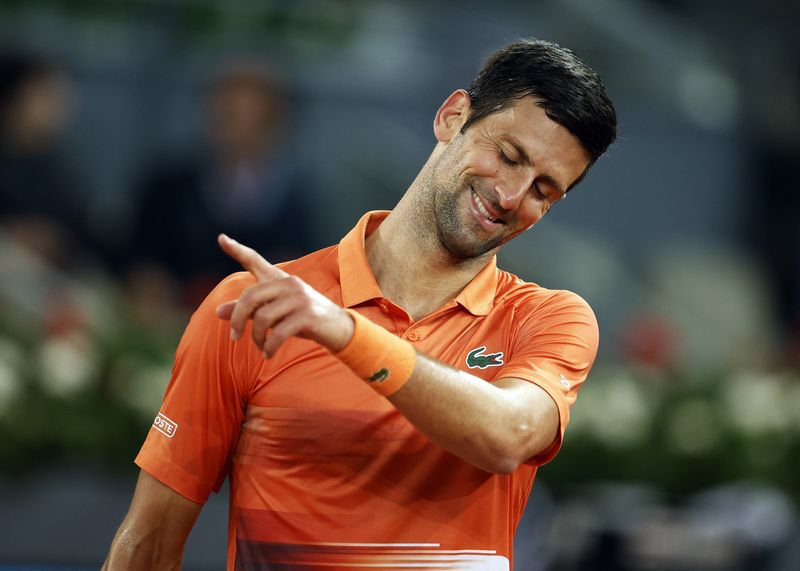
153 534
494 426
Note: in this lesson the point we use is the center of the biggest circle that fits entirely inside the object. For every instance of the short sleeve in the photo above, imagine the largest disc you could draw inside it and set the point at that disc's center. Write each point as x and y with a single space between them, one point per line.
197 428
554 347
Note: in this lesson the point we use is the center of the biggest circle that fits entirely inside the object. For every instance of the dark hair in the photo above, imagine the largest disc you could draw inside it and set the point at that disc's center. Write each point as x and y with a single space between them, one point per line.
569 91
17 70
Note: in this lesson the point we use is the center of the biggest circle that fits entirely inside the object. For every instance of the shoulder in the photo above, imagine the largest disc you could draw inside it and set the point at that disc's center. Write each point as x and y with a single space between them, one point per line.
318 269
315 269
231 287
529 300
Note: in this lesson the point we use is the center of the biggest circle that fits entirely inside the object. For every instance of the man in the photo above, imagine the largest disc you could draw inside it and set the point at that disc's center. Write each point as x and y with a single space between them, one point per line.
38 192
239 177
473 370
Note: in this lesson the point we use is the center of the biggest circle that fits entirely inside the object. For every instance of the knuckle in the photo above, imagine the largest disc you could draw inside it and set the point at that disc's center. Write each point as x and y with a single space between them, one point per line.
294 282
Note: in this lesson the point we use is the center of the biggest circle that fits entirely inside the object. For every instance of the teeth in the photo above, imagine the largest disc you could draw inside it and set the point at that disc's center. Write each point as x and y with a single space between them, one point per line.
481 207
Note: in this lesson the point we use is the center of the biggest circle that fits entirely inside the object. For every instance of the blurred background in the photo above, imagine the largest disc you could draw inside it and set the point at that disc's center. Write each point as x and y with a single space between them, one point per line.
132 132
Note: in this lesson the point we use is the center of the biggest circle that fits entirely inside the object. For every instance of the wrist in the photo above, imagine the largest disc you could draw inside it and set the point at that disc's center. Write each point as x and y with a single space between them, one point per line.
385 361
345 330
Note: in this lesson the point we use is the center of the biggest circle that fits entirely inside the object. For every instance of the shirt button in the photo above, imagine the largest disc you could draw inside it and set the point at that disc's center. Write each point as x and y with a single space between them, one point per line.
413 336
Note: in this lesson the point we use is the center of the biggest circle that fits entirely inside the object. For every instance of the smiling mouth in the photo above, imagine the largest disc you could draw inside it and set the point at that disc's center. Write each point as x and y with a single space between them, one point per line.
482 209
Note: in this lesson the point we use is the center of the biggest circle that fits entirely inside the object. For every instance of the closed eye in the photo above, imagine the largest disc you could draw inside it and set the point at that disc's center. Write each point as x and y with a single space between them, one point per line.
505 158
546 198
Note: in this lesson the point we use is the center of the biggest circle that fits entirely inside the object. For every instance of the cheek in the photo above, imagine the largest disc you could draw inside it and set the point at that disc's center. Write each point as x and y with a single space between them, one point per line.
530 213
482 164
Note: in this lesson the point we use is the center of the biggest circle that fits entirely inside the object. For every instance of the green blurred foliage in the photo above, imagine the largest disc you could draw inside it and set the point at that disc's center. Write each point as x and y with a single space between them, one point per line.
85 398
677 433
328 23
691 433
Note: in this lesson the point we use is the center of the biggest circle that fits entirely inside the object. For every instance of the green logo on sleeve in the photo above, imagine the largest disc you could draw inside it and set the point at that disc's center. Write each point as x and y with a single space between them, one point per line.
379 376
477 361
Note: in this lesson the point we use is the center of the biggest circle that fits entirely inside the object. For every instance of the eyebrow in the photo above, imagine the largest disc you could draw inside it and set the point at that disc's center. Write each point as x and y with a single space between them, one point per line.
546 178
518 146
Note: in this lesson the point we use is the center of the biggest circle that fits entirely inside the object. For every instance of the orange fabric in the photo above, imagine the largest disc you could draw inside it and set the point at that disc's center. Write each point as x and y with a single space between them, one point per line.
383 360
323 470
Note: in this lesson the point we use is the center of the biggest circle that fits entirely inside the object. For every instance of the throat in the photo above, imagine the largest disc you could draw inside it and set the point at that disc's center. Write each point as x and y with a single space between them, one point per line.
415 279
421 301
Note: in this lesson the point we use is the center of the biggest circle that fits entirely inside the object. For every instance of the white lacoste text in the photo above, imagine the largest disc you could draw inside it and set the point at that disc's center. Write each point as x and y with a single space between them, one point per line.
165 426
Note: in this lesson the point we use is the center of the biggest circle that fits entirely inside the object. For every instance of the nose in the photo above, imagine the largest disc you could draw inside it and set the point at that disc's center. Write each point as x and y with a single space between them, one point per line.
512 189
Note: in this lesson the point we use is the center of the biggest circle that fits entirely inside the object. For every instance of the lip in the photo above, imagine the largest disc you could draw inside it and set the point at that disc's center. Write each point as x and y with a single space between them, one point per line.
481 219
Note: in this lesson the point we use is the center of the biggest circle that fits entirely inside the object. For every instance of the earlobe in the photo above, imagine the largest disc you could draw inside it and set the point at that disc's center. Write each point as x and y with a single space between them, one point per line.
451 116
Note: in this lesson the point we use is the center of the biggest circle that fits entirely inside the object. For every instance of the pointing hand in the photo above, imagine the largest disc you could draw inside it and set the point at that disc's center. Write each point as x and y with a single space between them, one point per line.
281 306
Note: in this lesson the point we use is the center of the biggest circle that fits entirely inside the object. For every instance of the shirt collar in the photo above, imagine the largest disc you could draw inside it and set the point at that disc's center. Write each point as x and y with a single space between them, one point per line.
355 274
478 296
359 284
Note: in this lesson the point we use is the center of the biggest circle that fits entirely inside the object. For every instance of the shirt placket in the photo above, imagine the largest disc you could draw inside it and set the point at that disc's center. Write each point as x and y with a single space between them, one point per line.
417 331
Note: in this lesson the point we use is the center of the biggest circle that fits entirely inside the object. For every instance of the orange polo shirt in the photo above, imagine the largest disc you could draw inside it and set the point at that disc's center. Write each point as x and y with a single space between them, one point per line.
325 473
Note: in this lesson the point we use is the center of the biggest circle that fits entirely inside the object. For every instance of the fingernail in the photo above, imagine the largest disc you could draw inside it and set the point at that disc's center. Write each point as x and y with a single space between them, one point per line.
234 335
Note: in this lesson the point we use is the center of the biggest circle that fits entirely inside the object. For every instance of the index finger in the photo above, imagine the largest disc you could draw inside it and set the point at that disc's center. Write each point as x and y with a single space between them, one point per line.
249 259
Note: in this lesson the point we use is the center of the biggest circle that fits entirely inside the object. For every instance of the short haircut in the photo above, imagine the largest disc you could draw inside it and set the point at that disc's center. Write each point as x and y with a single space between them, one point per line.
569 91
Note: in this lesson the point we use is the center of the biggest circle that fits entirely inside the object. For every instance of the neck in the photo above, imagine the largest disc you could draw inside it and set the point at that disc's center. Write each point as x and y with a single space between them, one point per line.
405 249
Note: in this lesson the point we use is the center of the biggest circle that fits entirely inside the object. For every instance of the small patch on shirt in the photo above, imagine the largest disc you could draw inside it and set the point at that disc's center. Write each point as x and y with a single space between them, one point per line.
164 425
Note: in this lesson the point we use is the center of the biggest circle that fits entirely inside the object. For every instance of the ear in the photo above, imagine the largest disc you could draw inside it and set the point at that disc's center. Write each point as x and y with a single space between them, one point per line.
451 116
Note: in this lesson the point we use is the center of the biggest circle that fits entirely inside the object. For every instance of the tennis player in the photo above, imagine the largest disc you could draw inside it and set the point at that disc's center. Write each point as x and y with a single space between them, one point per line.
386 402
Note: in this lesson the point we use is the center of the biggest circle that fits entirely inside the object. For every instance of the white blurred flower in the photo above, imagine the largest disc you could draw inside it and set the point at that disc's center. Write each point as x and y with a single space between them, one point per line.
792 402
756 403
694 427
67 364
141 386
614 410
10 382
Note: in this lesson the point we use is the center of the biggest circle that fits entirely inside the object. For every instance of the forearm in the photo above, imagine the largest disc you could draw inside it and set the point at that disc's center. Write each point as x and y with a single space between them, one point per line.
154 532
136 549
493 426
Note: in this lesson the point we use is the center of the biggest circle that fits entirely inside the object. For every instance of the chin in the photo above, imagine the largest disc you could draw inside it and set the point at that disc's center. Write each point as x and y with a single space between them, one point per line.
456 232
466 247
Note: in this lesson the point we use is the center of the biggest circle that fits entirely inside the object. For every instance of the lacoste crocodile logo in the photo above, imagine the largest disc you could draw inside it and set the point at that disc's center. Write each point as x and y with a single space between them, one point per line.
379 376
477 361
